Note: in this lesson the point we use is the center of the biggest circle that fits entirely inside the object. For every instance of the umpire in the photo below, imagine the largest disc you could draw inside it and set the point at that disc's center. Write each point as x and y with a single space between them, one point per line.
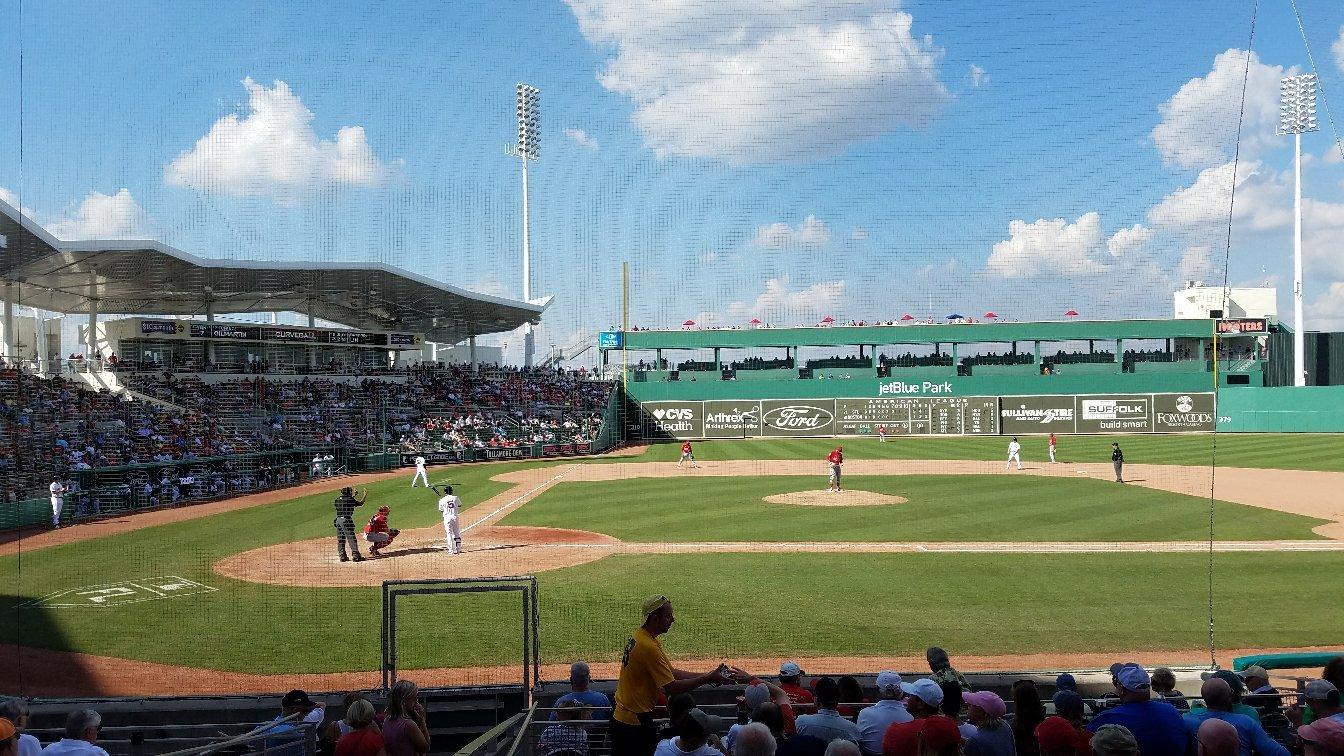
1117 461
345 523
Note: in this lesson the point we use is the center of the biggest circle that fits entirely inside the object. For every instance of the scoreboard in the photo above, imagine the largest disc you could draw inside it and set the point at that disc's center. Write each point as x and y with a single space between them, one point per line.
963 415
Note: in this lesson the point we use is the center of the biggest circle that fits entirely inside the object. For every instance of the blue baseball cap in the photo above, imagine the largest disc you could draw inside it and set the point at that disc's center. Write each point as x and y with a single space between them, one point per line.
1066 682
1133 677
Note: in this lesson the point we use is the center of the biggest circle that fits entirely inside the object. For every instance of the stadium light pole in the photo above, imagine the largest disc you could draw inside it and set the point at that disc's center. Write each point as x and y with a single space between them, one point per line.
527 148
1297 116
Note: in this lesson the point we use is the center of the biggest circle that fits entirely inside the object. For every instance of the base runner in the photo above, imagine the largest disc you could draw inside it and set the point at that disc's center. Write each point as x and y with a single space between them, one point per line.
686 454
377 533
834 460
452 531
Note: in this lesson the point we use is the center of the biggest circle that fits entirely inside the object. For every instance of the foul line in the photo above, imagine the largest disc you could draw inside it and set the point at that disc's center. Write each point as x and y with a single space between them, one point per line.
517 499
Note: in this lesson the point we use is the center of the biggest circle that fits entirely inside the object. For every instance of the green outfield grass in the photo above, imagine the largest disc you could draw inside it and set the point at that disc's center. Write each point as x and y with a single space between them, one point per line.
1284 451
683 507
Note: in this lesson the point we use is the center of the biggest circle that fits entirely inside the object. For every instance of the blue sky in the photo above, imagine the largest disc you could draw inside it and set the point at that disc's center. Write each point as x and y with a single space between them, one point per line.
858 158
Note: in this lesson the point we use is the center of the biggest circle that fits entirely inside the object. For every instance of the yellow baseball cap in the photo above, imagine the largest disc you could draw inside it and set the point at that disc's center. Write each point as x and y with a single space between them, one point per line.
654 603
6 729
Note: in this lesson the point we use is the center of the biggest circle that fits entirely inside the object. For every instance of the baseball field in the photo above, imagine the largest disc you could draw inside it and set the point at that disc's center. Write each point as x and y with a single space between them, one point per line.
932 542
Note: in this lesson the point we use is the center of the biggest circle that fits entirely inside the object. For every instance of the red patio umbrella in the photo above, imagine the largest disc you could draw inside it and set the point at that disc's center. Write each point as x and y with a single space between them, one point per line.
688 323
754 321
827 320
1071 314
907 316
990 315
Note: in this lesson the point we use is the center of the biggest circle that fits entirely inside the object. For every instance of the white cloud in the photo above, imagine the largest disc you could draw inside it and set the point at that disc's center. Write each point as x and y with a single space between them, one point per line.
1338 49
12 199
764 81
1196 263
809 234
1048 247
707 257
581 138
272 150
1199 123
1263 200
858 234
978 76
102 216
780 304
1326 311
1127 241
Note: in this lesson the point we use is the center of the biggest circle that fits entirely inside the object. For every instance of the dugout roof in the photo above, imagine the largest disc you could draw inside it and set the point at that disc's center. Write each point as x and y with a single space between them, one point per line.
147 277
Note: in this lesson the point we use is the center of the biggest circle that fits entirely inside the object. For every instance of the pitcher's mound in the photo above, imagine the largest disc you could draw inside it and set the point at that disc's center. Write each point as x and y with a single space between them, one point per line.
837 499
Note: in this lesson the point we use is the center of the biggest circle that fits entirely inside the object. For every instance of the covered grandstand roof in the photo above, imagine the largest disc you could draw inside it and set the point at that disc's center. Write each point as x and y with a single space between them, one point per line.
148 277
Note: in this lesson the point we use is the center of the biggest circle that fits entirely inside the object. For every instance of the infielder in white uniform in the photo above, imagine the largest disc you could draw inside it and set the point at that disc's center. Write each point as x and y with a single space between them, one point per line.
448 505
1014 454
420 473
57 489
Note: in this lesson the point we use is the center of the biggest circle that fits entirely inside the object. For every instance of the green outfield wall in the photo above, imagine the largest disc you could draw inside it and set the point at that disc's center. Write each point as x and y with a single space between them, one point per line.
1284 409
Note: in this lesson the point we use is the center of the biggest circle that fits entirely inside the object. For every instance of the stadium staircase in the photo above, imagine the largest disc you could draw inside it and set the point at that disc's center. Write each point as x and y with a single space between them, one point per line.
560 355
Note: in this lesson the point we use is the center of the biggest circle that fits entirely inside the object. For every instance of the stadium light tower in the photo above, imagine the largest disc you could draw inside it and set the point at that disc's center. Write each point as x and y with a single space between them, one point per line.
1297 116
527 148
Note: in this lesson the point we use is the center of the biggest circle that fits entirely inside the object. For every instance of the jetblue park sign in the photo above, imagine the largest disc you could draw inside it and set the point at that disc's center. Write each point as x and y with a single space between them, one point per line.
922 388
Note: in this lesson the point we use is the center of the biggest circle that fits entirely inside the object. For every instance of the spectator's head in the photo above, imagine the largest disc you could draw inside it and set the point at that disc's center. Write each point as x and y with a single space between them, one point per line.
940 737
983 706
937 659
952 699
770 715
9 738
1069 704
16 711
1217 694
570 710
923 697
1323 737
1065 681
790 673
1057 737
359 714
1234 683
579 676
83 724
850 691
1334 672
658 616
841 747
401 699
694 729
754 739
1131 682
889 686
1255 676
296 702
828 693
755 695
1164 681
1028 711
1114 740
1217 738
1323 697
677 706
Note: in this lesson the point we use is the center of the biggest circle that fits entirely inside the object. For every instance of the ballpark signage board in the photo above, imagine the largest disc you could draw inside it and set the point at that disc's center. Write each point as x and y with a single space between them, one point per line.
914 388
1242 325
444 457
1177 413
1128 413
1036 414
610 340
675 419
161 326
801 417
732 419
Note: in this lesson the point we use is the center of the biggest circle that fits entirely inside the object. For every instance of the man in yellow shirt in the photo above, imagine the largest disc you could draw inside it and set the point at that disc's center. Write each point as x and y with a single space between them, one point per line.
645 672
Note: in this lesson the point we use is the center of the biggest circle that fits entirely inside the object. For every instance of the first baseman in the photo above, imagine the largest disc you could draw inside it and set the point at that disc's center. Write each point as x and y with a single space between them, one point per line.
420 473
57 489
448 505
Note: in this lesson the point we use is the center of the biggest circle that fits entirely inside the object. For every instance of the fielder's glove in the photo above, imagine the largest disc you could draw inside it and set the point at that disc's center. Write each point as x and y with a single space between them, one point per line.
394 532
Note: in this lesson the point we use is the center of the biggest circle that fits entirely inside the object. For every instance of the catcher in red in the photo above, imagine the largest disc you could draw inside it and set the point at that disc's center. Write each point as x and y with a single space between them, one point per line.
378 534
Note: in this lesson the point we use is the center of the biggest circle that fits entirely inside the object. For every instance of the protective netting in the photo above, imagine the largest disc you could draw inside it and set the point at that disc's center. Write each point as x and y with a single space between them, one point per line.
923 232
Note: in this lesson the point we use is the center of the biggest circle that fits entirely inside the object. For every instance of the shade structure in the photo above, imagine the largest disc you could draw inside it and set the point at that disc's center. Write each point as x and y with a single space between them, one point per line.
1071 314
954 316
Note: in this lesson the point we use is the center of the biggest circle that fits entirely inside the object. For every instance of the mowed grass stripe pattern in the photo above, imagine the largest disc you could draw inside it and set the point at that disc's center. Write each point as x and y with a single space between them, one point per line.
685 508
1284 451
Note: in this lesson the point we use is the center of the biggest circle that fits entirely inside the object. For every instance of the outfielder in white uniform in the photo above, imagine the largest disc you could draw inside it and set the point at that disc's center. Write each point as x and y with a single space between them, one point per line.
57 489
1014 454
420 473
448 505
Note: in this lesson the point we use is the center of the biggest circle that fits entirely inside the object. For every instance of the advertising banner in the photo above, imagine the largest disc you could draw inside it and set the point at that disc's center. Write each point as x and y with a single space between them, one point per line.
801 417
1109 414
610 340
1036 414
1242 325
732 419
159 326
675 419
514 452
434 457
1181 413
563 450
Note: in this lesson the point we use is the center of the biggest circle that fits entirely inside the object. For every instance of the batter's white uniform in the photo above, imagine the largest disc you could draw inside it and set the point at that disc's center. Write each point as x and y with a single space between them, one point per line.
57 502
1014 452
452 531
420 473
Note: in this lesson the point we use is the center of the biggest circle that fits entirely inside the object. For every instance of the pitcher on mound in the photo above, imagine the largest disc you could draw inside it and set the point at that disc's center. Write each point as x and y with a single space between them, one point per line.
448 505
834 460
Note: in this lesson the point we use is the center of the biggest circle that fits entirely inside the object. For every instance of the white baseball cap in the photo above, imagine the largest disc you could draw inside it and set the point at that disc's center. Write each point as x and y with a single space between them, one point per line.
888 680
790 669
